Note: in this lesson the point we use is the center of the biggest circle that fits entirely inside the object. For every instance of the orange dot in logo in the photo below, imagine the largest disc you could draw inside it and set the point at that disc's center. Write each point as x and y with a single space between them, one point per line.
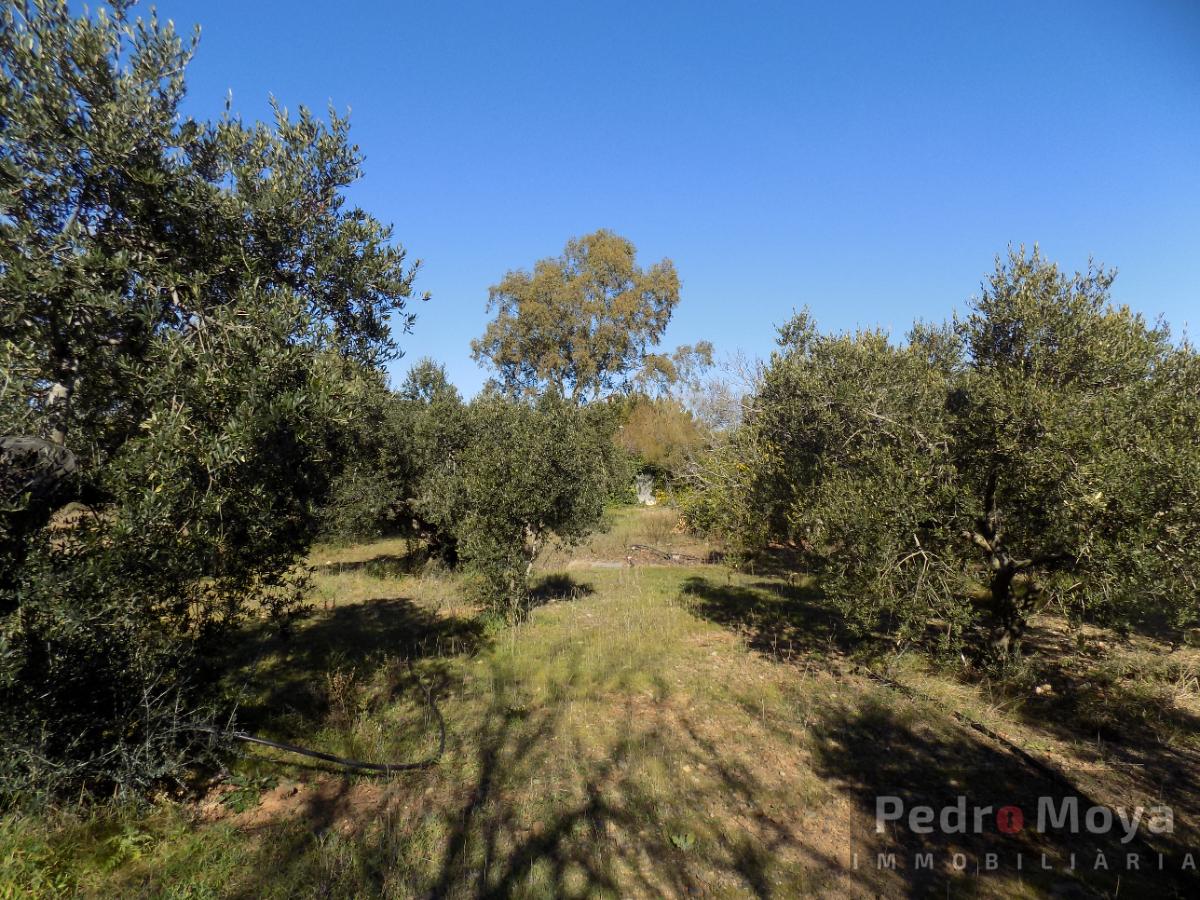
1010 819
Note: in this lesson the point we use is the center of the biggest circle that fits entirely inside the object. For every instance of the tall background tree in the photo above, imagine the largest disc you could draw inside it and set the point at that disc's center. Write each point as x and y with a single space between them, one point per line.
659 427
581 323
189 311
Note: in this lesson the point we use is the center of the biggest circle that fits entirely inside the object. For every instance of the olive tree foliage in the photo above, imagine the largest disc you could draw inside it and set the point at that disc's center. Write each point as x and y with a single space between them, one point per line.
525 472
486 484
1040 451
188 311
582 323
396 442
366 495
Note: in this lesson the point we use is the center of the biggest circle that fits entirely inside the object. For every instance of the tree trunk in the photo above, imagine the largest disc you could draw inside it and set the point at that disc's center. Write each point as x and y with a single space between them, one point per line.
1008 619
533 543
1007 615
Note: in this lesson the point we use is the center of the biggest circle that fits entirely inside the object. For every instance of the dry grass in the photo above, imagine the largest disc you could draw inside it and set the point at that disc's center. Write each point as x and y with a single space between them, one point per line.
650 731
655 526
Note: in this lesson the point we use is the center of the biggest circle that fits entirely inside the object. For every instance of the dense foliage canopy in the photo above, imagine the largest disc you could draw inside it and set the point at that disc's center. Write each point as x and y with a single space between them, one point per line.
1040 451
581 323
189 311
389 452
525 473
487 483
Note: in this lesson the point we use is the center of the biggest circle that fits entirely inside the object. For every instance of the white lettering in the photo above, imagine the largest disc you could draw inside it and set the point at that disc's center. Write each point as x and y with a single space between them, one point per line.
1068 812
920 820
959 813
980 812
887 809
1162 820
1098 820
1129 824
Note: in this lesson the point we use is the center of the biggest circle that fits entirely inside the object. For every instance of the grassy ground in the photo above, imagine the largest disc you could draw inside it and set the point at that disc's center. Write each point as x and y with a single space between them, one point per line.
652 730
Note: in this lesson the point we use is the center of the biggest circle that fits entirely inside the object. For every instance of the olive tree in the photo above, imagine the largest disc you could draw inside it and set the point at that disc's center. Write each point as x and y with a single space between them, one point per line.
394 446
525 472
1041 450
187 309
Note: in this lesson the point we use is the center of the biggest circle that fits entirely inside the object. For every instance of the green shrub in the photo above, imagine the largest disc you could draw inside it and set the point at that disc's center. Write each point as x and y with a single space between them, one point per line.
523 472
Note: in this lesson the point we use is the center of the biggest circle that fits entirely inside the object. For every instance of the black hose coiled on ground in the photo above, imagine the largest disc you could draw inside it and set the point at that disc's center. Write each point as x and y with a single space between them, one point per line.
355 764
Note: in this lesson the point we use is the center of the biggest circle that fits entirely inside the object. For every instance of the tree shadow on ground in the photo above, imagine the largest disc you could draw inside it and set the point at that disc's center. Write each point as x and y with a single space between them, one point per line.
784 621
875 752
1107 712
1054 659
279 676
1118 715
775 561
886 747
558 587
383 565
535 798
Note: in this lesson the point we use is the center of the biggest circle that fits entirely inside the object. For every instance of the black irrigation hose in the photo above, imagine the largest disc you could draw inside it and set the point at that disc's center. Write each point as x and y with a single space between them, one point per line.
356 764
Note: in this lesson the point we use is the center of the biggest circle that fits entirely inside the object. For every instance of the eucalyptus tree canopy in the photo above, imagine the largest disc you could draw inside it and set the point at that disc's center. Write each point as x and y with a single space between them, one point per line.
1040 451
187 309
581 323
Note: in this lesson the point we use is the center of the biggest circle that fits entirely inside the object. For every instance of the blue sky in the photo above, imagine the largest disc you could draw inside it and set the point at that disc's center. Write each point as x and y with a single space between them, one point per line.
867 160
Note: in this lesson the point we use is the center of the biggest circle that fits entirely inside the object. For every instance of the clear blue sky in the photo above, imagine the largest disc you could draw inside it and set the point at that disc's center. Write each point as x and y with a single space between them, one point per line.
865 159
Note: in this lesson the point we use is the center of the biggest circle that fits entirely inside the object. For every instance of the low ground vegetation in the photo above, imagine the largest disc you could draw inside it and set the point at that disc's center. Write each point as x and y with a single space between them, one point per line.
648 730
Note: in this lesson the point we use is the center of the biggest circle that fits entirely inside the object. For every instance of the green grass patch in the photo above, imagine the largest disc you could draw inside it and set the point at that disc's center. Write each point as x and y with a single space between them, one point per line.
649 730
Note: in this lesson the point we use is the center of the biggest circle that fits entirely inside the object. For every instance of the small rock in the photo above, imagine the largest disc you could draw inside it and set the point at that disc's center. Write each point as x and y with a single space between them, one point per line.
1043 689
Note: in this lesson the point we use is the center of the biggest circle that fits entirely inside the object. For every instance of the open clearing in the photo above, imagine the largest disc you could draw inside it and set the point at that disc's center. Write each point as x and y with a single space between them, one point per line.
651 730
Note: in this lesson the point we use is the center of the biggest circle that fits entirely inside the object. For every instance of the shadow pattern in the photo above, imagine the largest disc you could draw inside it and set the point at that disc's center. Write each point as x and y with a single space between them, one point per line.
888 747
